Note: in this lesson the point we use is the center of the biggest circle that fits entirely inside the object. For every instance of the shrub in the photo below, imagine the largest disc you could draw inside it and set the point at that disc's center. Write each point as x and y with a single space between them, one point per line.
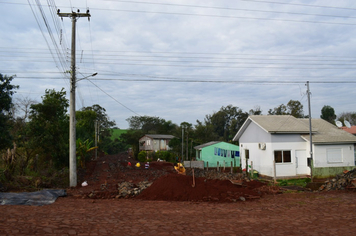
142 156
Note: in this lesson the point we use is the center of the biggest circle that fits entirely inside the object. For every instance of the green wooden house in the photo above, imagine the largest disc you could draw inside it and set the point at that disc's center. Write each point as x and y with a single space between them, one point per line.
218 153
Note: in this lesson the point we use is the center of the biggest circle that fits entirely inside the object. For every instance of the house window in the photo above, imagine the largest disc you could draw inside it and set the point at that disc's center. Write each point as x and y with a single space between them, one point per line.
282 156
334 155
148 142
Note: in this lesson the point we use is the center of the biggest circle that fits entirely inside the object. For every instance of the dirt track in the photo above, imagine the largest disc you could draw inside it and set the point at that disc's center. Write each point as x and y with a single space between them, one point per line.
287 214
326 213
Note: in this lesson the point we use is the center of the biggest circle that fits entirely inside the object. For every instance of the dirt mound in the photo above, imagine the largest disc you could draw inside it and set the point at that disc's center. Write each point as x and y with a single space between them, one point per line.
112 176
175 187
104 174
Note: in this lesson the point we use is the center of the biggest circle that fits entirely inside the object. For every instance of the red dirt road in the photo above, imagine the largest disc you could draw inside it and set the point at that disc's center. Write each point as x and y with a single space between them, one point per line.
324 213
284 214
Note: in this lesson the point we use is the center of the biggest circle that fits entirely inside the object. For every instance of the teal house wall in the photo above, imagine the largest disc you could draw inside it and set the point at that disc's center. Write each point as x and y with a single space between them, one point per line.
218 153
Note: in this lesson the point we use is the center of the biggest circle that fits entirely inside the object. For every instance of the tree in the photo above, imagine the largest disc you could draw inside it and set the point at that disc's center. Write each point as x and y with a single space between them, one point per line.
85 124
226 122
256 111
280 110
328 114
87 118
6 92
293 108
23 105
49 127
151 125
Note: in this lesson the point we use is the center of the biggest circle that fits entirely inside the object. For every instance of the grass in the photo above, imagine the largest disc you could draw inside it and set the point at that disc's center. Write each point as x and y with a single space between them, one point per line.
294 182
117 132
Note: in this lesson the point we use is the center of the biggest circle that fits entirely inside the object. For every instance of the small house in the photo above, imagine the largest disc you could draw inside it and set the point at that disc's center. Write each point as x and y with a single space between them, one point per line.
285 141
155 142
218 153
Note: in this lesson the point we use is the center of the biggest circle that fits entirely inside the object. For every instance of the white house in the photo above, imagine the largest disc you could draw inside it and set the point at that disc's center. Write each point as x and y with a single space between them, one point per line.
286 140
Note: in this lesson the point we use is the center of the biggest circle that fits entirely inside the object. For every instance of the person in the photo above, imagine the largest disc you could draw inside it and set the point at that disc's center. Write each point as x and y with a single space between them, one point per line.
179 168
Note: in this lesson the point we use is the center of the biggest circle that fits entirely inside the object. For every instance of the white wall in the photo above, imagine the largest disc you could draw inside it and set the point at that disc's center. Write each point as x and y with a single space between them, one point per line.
263 159
320 155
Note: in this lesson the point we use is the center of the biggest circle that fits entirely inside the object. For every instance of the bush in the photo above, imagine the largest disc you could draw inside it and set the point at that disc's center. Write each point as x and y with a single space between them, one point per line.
142 156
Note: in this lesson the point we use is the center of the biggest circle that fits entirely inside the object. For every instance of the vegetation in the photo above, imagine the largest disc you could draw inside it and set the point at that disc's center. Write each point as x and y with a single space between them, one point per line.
34 147
294 182
293 108
328 114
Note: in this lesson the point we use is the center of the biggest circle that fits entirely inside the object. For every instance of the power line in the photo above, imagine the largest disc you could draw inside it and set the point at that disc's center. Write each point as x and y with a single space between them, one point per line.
113 98
300 4
181 80
235 17
13 50
231 17
230 8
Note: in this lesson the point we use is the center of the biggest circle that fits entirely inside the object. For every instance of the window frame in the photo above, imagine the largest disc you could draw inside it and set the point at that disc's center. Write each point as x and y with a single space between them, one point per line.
283 156
334 155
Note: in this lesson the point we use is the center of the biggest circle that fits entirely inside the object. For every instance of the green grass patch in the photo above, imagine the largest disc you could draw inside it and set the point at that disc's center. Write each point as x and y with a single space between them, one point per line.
117 132
294 182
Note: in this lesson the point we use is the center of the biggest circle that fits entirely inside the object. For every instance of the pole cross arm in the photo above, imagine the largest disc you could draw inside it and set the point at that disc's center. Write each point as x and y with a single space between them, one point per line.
73 14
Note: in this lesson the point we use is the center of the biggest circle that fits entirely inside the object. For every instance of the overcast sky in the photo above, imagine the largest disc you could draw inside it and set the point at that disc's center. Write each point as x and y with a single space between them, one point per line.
181 60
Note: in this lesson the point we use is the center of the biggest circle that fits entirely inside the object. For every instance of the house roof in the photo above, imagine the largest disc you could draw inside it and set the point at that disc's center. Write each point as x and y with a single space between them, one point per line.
351 130
281 124
206 144
328 133
275 124
323 131
160 136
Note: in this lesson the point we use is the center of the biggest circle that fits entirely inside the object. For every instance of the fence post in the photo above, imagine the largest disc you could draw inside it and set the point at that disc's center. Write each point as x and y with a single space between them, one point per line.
251 169
274 171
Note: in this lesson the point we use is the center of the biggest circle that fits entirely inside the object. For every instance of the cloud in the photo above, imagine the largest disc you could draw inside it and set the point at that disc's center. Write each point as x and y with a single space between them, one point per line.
133 45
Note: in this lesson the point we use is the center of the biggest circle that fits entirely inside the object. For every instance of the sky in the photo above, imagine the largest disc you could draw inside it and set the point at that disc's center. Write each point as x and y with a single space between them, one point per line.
181 60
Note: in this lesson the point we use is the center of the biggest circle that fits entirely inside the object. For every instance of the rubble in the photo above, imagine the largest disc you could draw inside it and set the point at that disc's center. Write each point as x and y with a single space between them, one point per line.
346 180
127 189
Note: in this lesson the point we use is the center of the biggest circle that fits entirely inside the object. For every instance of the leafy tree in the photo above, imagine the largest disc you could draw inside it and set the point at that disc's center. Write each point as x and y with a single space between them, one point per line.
6 92
293 108
131 137
85 124
328 114
226 122
256 111
101 116
204 133
151 125
280 110
87 117
49 127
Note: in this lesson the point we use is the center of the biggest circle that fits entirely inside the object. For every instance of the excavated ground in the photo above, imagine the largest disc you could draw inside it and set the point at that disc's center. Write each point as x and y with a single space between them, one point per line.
111 176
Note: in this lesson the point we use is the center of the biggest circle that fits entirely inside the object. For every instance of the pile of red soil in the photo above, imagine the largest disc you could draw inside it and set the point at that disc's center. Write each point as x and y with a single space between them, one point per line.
175 187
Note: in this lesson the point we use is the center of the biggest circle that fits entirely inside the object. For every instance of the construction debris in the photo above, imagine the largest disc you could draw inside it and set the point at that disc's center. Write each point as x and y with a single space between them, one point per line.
346 180
127 189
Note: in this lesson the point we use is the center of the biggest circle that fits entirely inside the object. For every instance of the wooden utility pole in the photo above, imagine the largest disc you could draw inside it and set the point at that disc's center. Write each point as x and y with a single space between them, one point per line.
72 132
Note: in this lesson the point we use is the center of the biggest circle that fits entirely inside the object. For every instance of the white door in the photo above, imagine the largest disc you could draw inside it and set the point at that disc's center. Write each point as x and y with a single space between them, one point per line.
301 162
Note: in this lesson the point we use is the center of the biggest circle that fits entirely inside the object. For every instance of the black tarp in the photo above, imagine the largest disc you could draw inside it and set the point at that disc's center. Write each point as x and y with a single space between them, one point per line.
39 198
